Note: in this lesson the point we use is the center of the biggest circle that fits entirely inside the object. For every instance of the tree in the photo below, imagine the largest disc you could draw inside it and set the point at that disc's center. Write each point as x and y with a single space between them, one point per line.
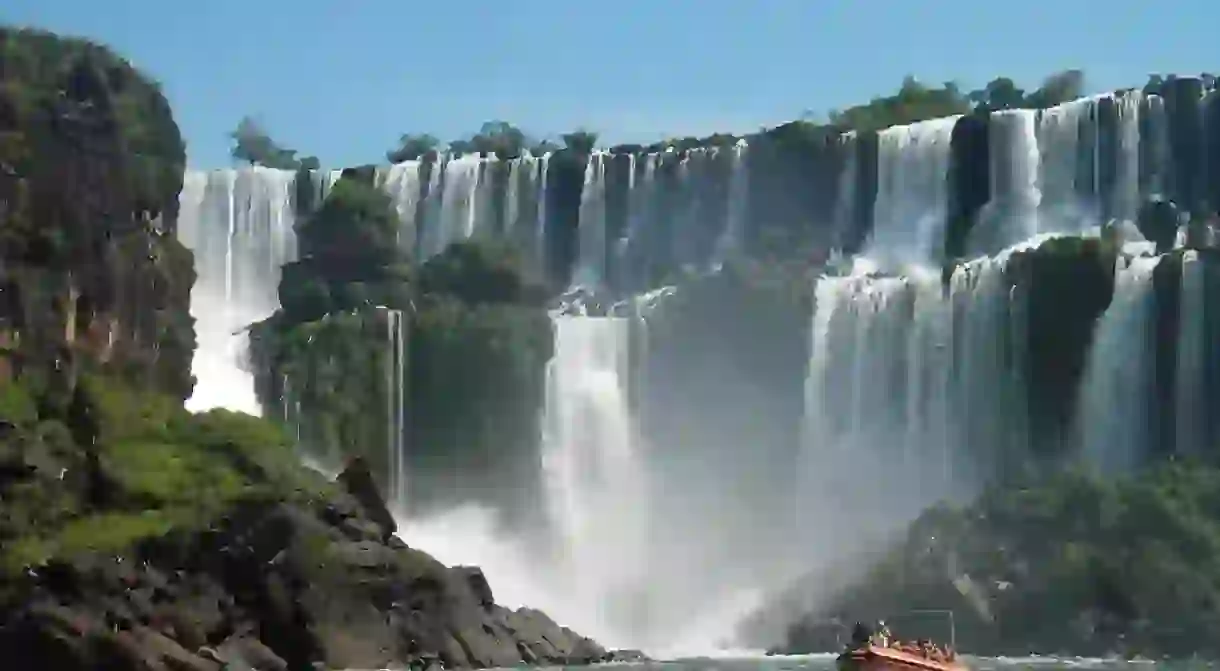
580 141
414 147
543 147
495 138
254 146
912 103
356 219
498 138
1000 93
1057 89
350 256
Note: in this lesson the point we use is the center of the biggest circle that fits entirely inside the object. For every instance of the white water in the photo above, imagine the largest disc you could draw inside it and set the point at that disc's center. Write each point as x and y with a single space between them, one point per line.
733 236
667 220
912 193
396 406
1190 391
905 384
591 260
238 265
595 480
1117 386
620 567
457 204
402 182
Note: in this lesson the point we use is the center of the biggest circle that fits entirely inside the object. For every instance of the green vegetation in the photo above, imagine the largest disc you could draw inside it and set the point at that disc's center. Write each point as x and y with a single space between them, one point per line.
158 469
1075 563
252 145
913 102
350 256
96 450
498 138
44 74
477 339
91 164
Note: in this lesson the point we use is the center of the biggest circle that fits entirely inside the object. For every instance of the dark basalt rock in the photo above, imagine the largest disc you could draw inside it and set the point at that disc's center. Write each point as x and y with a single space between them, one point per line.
358 480
275 587
478 584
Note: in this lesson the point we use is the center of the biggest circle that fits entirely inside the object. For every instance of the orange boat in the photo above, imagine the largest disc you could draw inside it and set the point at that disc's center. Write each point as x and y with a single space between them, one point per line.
899 657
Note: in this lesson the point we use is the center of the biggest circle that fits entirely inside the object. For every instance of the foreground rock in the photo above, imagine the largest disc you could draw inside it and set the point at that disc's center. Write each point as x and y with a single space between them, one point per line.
273 587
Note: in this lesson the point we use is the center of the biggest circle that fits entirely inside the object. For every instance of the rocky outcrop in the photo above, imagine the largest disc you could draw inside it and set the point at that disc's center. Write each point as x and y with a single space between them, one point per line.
134 535
473 342
91 164
358 481
274 586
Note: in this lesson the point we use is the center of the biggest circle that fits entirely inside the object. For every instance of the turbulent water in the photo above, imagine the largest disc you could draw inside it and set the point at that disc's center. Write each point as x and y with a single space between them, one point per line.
911 376
595 473
239 224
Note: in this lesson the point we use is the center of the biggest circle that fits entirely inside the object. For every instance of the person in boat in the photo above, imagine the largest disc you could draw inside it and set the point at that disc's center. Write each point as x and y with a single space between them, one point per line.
884 637
861 635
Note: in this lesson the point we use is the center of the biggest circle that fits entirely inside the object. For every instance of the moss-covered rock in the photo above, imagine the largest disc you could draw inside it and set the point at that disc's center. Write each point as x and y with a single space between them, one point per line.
441 365
201 539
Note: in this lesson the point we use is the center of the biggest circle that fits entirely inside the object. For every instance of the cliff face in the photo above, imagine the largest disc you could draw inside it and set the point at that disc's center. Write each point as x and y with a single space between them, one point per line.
91 165
135 535
394 368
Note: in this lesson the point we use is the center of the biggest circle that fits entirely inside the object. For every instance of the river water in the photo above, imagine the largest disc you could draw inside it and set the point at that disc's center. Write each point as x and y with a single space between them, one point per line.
826 662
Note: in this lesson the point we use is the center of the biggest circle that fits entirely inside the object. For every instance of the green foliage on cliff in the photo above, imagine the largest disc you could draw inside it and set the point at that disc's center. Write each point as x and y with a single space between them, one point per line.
478 353
91 164
252 145
476 340
1074 563
414 147
123 466
494 138
349 256
914 101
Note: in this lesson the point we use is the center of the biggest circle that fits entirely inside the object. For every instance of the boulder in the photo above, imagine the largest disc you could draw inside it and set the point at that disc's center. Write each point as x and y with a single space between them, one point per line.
478 584
357 480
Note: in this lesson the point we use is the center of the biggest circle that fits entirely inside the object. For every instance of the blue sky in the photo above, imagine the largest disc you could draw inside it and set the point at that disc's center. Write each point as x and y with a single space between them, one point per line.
343 79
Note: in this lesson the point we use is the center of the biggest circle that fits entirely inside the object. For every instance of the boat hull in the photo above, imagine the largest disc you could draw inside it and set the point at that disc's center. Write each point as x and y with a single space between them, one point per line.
875 658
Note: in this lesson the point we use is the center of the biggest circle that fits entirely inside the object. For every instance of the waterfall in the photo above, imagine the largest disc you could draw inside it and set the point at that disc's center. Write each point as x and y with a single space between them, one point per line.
1117 389
1070 200
1126 198
733 235
458 203
238 223
402 182
906 383
591 260
540 256
844 214
914 380
595 480
1190 393
1011 215
396 406
633 249
871 348
910 211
